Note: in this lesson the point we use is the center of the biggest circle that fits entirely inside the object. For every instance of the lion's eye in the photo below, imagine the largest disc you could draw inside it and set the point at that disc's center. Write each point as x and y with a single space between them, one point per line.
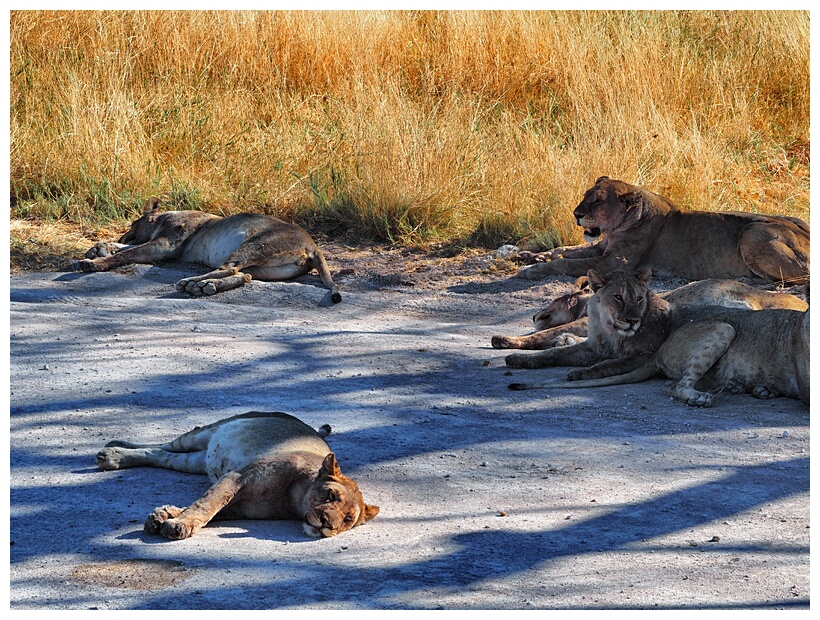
332 497
348 519
618 298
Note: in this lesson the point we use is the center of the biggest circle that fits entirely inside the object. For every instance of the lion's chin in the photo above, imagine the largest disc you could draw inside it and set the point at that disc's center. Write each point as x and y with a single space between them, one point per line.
627 331
591 234
318 532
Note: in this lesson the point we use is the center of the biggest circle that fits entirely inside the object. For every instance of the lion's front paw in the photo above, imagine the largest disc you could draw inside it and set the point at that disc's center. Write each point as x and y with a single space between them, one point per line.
197 288
520 360
501 342
86 265
159 516
532 272
101 250
761 391
175 529
109 458
692 396
578 374
565 340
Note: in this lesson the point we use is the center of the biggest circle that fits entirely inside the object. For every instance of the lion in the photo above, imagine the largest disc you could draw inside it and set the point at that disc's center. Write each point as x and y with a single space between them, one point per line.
263 466
238 247
762 352
627 323
564 320
643 230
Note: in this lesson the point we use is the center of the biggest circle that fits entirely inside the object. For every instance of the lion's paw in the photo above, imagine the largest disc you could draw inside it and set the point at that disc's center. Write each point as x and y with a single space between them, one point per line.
578 374
84 264
101 250
159 516
519 360
109 458
531 272
175 529
692 396
565 340
762 391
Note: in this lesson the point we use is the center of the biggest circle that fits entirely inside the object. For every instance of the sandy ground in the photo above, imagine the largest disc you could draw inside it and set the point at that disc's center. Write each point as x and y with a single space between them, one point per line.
611 498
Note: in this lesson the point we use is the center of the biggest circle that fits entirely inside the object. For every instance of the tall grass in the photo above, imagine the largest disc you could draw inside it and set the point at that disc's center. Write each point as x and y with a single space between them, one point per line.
410 126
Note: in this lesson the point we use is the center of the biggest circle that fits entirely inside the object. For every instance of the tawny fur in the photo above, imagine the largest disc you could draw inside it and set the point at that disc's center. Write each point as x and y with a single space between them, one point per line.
238 248
565 318
643 230
627 324
262 465
712 349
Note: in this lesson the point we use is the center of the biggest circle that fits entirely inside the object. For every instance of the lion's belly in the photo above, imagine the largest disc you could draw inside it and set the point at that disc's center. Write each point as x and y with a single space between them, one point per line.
238 443
214 246
273 272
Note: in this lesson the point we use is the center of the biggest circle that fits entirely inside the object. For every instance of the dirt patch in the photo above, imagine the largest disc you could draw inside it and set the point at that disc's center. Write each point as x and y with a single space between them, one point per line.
133 574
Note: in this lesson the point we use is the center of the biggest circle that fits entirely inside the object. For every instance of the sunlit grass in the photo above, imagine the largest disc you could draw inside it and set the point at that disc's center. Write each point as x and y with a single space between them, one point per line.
406 126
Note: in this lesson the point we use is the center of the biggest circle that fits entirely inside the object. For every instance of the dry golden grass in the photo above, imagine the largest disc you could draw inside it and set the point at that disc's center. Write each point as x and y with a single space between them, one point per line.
480 126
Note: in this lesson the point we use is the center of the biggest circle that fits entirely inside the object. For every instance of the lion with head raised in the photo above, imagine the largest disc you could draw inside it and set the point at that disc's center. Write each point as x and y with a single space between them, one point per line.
627 323
642 230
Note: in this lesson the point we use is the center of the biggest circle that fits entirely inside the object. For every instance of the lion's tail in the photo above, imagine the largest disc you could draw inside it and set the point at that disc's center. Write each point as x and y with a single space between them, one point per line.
642 373
324 430
324 273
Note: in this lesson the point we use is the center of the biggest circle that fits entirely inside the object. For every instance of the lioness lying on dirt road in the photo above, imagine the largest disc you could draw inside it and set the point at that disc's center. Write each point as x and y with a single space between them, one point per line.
642 230
239 247
709 349
564 320
263 465
627 324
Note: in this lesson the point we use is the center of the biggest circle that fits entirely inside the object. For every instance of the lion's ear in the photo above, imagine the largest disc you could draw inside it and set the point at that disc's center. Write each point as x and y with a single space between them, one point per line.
368 513
582 283
152 204
596 280
599 179
631 199
645 275
330 467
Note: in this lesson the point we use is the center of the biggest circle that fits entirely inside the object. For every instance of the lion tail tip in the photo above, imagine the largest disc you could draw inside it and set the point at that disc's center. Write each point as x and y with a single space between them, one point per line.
324 430
517 386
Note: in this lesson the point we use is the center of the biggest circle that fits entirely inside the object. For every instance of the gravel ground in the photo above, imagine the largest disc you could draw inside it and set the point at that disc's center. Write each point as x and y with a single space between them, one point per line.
598 499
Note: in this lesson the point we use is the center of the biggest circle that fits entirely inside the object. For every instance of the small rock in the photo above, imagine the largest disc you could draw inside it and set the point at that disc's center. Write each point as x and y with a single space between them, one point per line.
506 251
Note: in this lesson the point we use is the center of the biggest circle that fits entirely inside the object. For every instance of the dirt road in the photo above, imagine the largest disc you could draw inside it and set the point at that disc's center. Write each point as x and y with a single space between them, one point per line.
611 498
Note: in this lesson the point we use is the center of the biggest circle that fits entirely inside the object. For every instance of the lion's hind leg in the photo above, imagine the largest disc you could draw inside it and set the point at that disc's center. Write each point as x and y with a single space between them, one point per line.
689 354
211 283
185 453
776 251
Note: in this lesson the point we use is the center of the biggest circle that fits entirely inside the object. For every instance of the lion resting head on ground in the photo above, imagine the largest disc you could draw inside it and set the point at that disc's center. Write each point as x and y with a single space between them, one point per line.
263 466
564 320
238 248
713 349
626 324
643 230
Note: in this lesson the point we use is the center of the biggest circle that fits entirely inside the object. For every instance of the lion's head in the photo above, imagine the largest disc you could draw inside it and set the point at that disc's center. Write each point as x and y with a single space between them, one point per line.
564 309
143 228
622 300
334 502
606 207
